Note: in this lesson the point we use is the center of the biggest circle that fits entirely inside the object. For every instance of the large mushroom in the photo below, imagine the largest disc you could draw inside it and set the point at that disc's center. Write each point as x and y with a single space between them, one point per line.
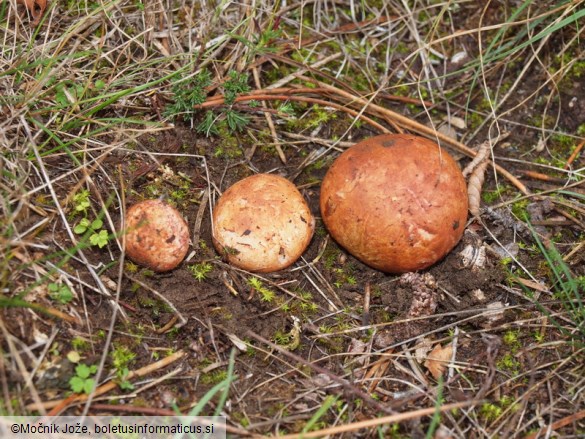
157 235
262 223
397 202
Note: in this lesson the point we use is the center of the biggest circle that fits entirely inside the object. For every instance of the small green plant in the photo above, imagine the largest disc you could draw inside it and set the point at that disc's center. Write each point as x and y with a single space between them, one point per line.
121 358
282 338
266 293
81 201
201 270
60 292
130 267
343 276
261 43
313 423
538 336
214 377
490 411
567 288
79 344
236 121
81 382
192 92
509 363
189 93
519 209
511 339
235 85
98 235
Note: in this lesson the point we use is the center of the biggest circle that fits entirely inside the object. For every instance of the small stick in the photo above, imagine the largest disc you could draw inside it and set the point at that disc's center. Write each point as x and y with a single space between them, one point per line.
168 326
269 120
554 426
575 154
110 385
254 97
540 176
366 314
199 219
369 423
454 355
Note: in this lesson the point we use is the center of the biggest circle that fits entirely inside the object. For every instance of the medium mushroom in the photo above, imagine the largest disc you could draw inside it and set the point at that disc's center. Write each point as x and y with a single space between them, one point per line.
262 223
157 235
397 202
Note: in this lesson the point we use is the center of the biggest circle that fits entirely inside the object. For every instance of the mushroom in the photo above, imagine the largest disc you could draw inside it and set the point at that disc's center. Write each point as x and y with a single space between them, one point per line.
262 223
157 235
397 202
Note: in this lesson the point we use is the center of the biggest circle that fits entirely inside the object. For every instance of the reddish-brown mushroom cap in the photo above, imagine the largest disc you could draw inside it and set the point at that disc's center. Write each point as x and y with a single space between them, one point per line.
157 235
262 223
396 202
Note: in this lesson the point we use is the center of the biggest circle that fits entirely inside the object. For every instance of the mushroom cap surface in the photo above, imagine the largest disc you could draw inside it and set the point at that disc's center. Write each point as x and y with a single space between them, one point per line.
262 223
397 202
157 235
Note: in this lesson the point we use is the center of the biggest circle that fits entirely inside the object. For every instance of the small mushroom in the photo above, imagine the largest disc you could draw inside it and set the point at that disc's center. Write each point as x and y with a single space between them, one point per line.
397 202
262 223
157 235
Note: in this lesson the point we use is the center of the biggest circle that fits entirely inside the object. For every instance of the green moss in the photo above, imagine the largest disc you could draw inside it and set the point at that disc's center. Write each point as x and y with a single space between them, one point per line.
490 412
509 364
519 209
214 377
228 145
474 120
80 344
490 197
510 339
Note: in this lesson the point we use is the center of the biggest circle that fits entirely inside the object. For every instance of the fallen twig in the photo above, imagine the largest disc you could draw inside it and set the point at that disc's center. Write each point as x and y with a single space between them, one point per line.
392 419
58 405
575 153
559 424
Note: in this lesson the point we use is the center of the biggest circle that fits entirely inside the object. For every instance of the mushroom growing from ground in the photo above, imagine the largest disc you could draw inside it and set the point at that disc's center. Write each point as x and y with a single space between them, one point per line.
397 202
262 223
157 235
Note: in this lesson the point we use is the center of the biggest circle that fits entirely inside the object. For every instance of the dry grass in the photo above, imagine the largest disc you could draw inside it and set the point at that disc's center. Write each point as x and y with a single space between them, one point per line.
92 118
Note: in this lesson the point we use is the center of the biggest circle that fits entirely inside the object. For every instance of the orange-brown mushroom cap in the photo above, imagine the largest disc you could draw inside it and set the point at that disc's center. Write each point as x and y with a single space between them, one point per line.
397 202
262 223
157 235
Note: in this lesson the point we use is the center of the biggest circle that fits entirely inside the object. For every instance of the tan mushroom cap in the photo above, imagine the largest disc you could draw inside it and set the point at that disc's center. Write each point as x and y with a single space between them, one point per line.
262 223
396 202
157 237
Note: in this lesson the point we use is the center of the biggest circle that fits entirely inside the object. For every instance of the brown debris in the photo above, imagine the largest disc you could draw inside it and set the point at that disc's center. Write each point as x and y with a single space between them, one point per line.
36 9
438 360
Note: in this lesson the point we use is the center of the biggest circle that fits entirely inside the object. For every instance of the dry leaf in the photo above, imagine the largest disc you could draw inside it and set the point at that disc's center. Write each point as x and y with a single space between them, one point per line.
455 121
438 360
36 9
238 342
493 315
447 130
421 350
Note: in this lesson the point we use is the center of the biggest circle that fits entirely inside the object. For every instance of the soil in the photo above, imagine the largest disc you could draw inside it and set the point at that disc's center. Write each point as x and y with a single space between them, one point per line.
333 316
